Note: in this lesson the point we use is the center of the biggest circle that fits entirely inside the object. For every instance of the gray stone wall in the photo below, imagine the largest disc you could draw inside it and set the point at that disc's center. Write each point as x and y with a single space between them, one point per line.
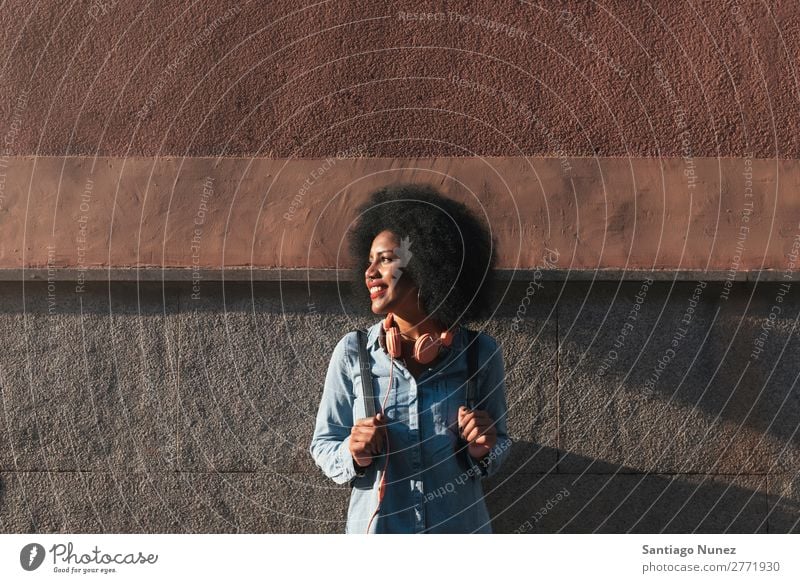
136 408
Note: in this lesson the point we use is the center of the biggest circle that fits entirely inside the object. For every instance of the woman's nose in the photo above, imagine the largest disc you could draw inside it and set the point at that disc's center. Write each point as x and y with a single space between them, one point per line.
372 271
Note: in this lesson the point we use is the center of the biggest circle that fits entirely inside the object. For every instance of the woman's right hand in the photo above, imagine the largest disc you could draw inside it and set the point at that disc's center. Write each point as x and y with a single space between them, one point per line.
366 439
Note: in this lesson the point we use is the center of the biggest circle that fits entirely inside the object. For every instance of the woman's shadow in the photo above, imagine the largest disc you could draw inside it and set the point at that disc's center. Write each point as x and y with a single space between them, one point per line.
611 498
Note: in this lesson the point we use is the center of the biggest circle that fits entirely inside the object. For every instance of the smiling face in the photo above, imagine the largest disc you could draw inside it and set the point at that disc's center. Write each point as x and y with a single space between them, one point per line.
388 290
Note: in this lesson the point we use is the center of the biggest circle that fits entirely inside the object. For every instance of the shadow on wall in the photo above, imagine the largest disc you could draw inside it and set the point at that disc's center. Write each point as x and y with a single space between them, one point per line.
133 408
610 498
725 362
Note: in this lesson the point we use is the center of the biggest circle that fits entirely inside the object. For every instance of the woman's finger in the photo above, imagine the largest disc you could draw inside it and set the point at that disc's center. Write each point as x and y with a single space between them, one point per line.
486 439
481 425
467 427
473 435
480 428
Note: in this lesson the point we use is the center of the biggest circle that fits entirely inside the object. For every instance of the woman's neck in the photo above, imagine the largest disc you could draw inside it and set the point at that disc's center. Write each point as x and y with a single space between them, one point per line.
412 327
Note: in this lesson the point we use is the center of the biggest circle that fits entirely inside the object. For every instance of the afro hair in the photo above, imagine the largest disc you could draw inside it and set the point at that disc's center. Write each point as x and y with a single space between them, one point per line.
452 254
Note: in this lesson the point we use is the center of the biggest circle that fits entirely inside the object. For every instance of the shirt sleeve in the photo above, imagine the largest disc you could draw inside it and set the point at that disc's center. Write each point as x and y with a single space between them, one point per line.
492 389
330 445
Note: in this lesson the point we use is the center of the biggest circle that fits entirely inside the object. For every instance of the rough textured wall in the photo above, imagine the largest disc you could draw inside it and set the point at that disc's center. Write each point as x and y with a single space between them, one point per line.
139 409
302 79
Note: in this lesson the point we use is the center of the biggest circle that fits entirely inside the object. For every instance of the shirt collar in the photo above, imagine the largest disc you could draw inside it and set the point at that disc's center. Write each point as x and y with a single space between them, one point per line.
372 335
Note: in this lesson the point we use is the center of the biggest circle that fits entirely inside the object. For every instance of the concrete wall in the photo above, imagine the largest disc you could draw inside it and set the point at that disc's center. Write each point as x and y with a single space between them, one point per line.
134 408
137 409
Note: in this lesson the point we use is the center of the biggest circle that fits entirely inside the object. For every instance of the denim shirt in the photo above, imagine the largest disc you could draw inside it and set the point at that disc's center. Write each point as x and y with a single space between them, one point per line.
430 488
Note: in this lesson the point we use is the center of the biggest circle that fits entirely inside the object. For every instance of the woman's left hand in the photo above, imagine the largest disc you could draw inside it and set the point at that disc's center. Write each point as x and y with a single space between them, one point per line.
477 428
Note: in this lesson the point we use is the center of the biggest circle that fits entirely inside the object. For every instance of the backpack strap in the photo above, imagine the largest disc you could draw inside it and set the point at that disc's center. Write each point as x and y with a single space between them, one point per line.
366 374
462 453
472 370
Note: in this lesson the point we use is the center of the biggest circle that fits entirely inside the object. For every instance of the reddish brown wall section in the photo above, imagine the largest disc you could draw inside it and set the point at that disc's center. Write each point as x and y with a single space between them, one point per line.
644 92
299 79
674 214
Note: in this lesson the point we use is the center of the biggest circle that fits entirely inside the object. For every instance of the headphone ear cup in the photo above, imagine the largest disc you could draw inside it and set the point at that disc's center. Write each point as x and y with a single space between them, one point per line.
447 338
426 349
391 335
393 346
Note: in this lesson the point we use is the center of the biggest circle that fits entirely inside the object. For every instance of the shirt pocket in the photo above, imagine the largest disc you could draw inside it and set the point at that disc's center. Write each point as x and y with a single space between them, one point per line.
396 408
444 407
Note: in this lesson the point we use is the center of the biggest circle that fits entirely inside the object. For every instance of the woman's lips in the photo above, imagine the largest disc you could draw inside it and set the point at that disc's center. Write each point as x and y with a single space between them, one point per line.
377 294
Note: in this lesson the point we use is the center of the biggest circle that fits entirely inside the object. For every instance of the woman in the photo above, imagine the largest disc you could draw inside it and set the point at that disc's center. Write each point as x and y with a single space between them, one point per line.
416 466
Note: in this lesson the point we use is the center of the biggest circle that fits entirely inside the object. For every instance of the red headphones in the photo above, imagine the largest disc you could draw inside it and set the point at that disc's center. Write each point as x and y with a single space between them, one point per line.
426 347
